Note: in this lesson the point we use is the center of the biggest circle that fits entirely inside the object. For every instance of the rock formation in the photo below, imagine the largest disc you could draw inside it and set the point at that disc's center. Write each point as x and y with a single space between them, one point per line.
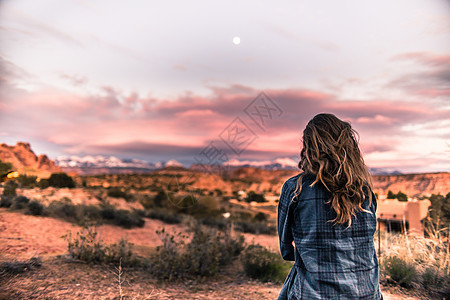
25 161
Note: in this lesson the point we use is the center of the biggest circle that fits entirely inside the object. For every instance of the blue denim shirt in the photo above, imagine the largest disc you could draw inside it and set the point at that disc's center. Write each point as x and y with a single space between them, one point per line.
331 260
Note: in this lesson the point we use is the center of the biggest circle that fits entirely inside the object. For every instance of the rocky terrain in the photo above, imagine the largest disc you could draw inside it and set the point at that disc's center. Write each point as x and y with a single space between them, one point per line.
24 160
262 180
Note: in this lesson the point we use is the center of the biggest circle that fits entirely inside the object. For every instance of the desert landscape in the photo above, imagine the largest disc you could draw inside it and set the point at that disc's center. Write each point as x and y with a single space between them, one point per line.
173 233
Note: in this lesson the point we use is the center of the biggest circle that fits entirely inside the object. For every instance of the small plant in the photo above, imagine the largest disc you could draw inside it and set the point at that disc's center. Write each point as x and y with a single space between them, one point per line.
253 196
202 256
116 192
165 216
35 208
400 271
20 202
18 267
10 189
260 263
27 181
88 247
6 201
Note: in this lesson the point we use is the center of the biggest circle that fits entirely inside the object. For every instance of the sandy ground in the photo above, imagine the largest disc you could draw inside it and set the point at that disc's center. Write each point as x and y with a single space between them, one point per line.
23 236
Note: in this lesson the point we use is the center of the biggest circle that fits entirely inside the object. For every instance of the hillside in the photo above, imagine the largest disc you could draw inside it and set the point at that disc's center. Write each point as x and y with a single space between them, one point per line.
25 161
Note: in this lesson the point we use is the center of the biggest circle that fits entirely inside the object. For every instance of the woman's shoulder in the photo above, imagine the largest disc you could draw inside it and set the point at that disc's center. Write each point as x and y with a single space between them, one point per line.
292 182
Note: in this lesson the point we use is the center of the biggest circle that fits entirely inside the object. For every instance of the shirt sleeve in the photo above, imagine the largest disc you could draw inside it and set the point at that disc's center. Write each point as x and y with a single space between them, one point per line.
285 223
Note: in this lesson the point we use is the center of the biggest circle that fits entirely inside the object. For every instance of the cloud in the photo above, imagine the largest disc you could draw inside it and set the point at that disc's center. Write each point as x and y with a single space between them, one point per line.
431 80
112 122
75 80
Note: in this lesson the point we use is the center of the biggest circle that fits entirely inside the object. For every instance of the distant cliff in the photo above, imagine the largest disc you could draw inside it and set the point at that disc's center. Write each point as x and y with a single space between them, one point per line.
413 184
25 161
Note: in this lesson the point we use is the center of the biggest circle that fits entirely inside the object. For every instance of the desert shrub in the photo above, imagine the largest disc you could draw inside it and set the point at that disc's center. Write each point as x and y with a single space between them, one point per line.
84 214
438 218
63 209
9 188
435 280
18 267
61 180
88 247
43 183
160 199
255 227
166 216
168 261
5 167
253 196
216 222
260 263
6 201
127 219
202 256
27 181
108 212
35 208
400 270
260 217
116 192
428 256
187 204
20 202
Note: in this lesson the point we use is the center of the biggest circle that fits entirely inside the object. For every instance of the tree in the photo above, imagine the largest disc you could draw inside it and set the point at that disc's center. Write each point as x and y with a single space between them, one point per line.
439 212
390 195
401 196
5 167
253 196
61 180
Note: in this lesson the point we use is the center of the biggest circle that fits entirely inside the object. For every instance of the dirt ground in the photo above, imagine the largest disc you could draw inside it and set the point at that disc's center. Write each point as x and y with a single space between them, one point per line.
59 277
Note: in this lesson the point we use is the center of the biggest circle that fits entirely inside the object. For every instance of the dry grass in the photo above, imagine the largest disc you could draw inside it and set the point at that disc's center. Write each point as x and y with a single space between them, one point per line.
427 259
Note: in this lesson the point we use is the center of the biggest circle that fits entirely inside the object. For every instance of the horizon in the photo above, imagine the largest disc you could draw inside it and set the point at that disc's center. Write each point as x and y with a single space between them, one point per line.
215 82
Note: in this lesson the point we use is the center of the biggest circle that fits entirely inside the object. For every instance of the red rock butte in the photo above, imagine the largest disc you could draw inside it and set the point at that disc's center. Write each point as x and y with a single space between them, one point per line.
25 161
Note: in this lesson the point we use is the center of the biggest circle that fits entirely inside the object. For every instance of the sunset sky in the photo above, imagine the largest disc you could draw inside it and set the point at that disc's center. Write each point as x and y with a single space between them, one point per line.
160 80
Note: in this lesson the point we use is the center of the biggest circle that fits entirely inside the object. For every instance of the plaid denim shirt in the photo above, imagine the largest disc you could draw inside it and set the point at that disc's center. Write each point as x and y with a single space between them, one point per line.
331 261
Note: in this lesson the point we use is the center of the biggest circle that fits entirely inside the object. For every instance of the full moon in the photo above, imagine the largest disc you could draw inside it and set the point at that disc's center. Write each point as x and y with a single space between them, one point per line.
236 40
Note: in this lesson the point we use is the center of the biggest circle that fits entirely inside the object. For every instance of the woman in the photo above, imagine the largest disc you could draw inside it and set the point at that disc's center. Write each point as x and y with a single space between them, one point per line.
328 212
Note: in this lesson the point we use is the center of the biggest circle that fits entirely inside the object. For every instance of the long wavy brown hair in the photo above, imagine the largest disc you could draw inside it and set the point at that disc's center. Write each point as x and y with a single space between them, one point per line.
331 153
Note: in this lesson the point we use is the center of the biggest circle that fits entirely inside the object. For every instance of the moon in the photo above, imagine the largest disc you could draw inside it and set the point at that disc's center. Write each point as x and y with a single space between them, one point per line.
236 40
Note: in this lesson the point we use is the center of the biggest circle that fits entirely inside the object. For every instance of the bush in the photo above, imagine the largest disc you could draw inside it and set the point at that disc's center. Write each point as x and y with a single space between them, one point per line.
260 217
61 180
260 263
43 183
116 192
253 196
20 202
35 208
63 209
127 219
160 198
255 228
10 189
216 222
202 256
5 167
165 216
86 246
18 267
6 201
27 181
400 271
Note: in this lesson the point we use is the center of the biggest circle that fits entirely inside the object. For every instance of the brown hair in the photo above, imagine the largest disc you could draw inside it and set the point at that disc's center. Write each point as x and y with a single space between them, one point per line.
331 153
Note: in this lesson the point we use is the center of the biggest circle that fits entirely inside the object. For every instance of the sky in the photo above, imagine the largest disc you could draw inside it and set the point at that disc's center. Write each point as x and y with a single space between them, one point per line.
161 80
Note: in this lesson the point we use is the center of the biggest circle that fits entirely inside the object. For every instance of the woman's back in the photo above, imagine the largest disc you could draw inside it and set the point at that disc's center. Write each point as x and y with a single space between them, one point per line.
332 261
328 212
